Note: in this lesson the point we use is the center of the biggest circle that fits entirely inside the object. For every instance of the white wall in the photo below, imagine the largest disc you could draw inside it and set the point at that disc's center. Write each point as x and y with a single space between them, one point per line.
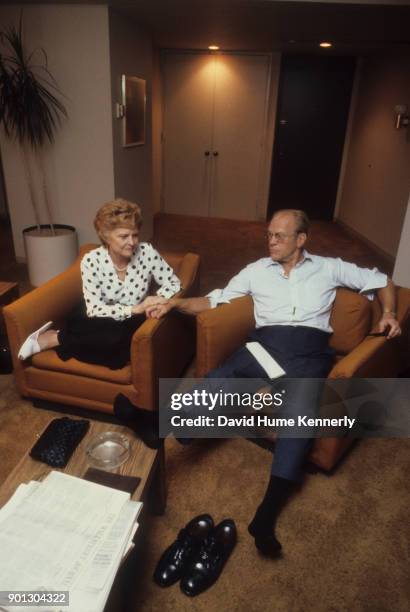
401 274
269 138
131 53
157 203
376 183
80 164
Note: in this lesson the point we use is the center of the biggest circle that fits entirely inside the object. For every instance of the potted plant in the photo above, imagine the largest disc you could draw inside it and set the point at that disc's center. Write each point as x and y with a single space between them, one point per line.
31 112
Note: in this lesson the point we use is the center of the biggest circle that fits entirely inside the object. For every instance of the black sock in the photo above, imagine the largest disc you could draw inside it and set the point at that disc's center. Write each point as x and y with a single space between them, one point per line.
143 422
263 523
184 441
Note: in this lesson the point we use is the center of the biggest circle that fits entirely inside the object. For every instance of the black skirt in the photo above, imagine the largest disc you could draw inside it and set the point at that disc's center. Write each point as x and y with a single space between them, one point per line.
97 340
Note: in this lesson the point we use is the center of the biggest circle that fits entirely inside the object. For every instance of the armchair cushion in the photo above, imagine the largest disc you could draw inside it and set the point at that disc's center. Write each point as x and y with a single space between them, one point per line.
350 319
49 360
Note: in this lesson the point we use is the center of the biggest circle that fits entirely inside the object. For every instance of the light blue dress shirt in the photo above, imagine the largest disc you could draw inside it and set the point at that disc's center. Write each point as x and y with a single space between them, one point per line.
305 297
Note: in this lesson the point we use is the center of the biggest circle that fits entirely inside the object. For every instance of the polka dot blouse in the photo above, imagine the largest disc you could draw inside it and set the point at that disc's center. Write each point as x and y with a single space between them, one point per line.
107 296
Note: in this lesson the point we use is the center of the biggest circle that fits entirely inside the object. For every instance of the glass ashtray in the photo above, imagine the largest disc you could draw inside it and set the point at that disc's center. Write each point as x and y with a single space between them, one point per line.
108 450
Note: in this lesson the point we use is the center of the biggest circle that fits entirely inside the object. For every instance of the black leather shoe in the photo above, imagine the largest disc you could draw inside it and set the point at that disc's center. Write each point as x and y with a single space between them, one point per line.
177 557
208 563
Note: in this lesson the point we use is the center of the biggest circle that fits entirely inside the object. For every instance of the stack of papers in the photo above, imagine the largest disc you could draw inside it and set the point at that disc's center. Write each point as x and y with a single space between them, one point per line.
65 534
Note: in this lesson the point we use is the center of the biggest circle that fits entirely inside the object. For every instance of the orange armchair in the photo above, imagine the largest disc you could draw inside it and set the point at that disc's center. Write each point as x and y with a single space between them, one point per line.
159 348
222 330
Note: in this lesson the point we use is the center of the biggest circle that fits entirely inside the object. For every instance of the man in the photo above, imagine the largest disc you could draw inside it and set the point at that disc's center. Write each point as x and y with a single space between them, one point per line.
293 292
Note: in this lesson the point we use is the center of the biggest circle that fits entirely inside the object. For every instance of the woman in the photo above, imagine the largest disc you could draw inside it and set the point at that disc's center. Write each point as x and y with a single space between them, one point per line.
116 279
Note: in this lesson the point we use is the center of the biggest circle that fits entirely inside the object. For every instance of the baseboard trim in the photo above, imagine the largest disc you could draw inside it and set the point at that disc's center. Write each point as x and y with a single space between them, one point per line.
389 258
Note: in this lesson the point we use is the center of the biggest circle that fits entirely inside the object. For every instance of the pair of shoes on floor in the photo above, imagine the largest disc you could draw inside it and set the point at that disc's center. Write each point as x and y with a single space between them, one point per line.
30 345
198 555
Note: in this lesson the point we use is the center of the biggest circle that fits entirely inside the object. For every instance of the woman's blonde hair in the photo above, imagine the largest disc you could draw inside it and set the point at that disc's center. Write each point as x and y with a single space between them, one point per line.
115 214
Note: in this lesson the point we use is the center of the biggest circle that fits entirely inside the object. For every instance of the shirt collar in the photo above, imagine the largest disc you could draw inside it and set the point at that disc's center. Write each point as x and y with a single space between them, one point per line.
305 257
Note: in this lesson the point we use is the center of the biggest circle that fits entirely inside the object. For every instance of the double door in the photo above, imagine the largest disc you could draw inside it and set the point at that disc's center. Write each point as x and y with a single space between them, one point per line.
214 134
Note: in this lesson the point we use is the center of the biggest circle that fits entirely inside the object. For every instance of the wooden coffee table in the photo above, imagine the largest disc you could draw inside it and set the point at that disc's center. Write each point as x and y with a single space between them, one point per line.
144 462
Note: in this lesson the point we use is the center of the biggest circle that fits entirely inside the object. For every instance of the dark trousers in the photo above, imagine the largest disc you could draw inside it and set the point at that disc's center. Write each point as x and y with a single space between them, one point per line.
304 354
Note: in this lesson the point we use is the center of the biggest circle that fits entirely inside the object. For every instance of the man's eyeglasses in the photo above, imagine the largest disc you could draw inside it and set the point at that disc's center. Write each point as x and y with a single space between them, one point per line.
279 236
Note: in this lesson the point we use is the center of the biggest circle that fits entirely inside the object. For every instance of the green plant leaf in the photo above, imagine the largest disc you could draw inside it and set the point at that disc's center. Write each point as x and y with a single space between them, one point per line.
29 107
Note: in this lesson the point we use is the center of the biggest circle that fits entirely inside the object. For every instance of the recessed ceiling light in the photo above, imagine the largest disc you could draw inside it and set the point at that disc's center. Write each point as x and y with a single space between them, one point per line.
325 45
213 47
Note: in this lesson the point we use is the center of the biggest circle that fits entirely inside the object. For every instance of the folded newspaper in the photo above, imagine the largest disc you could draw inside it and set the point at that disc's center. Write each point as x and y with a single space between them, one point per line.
268 363
64 535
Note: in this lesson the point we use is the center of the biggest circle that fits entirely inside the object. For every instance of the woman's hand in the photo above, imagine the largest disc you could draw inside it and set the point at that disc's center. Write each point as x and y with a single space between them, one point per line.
191 306
156 311
149 302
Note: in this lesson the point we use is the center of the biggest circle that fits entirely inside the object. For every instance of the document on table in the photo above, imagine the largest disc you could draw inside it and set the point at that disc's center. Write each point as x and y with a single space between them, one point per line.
94 586
56 529
65 534
111 548
268 363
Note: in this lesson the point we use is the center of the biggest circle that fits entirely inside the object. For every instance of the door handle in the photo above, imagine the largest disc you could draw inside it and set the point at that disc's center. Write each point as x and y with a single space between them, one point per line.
206 153
216 153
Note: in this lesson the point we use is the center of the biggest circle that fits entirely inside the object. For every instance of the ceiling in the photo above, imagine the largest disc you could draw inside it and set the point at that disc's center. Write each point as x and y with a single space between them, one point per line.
268 25
359 27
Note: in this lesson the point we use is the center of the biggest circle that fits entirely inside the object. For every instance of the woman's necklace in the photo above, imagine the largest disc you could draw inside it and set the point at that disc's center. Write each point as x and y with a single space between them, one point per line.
120 269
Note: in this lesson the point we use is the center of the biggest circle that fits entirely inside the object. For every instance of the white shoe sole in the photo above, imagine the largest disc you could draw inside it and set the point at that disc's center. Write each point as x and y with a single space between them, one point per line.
30 345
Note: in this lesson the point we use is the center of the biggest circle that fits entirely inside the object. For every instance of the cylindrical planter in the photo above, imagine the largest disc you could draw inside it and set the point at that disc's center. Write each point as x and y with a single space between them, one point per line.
48 254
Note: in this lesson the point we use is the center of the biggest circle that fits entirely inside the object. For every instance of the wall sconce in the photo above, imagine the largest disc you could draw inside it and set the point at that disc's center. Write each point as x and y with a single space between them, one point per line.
402 116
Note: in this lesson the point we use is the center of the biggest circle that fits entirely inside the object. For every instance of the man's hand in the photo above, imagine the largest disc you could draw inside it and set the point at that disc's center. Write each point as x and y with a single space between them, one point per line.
191 306
156 311
152 301
387 321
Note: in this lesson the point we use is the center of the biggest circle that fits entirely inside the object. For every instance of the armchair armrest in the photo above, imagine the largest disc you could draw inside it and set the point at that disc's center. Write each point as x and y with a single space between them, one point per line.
50 302
163 348
362 361
377 357
220 331
160 349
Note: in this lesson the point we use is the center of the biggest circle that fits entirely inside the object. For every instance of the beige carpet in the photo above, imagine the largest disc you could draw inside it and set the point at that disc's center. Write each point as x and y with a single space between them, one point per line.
345 537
